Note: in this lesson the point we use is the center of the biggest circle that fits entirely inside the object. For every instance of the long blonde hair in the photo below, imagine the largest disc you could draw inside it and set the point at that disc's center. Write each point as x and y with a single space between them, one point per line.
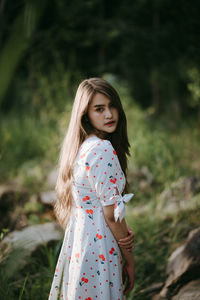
79 128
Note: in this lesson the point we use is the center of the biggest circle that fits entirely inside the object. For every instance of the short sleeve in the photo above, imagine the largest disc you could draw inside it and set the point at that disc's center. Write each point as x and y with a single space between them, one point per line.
106 175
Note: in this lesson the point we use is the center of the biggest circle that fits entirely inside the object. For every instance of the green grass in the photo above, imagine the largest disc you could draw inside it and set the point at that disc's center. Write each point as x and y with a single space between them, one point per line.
34 280
26 150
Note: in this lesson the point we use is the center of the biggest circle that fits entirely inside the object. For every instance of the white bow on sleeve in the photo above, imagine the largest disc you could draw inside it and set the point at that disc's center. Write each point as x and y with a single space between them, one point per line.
120 210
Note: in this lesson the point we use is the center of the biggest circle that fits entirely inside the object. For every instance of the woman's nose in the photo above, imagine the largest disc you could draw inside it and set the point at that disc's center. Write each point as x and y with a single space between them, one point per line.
108 113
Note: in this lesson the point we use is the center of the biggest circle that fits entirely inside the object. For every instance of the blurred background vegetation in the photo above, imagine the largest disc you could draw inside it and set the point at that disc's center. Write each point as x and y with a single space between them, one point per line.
149 51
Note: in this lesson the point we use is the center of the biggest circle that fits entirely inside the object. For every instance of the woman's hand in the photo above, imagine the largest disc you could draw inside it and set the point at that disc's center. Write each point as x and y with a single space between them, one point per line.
128 275
127 242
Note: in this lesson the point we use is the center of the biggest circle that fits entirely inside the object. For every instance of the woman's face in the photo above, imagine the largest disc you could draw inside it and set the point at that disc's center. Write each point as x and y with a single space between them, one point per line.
102 114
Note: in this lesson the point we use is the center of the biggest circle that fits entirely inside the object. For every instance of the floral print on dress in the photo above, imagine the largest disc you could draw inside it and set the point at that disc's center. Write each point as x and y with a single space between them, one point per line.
89 213
89 266
86 200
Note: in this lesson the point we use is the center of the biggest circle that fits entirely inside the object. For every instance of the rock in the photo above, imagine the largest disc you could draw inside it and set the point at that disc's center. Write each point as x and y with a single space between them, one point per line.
150 290
30 237
182 194
29 240
158 297
48 197
190 291
183 265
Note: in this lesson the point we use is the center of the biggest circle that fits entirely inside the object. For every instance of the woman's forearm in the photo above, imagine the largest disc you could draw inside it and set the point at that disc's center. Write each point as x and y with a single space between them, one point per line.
119 231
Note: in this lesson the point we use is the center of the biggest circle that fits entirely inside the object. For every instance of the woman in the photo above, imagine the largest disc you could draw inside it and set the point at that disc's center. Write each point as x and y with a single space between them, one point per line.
90 205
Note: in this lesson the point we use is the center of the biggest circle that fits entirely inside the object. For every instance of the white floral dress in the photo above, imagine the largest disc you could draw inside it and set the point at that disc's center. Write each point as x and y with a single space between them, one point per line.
89 266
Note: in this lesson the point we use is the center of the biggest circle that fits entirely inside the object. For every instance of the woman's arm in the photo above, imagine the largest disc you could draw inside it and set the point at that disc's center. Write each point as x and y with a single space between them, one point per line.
119 231
125 236
127 242
118 228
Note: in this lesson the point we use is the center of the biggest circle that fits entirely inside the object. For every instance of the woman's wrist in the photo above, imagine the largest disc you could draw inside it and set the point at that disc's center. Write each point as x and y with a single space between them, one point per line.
127 242
127 256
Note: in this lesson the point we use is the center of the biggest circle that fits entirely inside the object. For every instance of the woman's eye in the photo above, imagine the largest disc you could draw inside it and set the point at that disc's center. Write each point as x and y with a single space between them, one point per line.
99 109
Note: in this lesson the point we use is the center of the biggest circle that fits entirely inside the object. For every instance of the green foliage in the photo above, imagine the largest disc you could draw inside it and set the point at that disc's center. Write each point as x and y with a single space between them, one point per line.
53 92
33 219
164 145
23 288
3 233
33 207
24 143
135 40
17 42
33 282
194 87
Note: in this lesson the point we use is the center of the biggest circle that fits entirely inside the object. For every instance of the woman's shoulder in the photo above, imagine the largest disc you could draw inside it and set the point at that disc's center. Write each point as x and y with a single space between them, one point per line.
95 142
99 145
94 147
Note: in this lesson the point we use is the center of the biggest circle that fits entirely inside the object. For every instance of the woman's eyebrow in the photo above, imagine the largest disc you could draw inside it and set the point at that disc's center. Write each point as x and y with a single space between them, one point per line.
98 105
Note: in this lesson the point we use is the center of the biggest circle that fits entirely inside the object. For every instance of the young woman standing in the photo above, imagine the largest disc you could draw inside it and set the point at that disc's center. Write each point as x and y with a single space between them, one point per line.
91 191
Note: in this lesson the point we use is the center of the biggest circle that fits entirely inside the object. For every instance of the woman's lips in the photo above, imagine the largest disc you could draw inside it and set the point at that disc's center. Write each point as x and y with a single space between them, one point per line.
110 123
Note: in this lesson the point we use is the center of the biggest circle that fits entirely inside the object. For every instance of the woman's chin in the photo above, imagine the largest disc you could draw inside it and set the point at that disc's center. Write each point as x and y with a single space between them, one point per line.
110 129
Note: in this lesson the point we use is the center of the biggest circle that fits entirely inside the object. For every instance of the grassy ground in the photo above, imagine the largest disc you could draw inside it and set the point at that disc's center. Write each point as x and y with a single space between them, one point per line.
168 148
